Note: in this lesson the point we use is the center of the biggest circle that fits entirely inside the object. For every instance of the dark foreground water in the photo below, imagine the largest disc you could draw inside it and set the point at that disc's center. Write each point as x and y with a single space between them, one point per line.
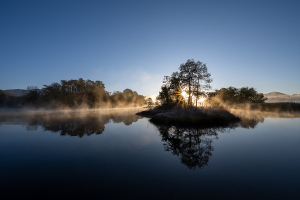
117 154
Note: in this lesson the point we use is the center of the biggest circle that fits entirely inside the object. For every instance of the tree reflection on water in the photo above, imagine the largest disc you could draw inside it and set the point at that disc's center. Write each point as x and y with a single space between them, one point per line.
72 126
193 146
72 123
89 124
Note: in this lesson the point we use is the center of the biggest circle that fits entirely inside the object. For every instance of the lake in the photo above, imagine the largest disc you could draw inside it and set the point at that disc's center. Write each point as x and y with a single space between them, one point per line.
105 154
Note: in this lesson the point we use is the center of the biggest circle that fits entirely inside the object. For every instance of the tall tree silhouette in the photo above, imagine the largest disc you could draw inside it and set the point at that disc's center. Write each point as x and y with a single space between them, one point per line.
195 78
192 78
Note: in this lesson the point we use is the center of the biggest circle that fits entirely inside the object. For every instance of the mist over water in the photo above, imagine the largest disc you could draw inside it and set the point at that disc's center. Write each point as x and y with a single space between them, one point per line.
77 122
108 152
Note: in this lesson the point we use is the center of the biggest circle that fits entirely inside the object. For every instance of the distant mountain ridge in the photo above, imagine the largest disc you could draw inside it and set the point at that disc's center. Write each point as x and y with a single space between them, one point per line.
281 97
5 93
274 94
16 92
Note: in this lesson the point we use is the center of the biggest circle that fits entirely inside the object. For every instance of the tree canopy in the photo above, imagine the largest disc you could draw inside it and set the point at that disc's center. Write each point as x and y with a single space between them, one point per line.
74 93
232 95
192 79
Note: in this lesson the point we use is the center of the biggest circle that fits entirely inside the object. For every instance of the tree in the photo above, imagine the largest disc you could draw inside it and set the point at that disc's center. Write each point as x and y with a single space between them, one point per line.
192 78
33 95
171 91
164 96
149 102
232 95
203 81
195 78
250 95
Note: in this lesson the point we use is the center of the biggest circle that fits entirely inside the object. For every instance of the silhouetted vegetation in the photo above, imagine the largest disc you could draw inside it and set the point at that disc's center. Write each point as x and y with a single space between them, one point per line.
72 94
247 99
126 98
192 80
232 95
150 103
179 96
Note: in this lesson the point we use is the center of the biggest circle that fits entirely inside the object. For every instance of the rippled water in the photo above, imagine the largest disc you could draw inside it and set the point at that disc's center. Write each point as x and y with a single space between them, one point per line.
106 154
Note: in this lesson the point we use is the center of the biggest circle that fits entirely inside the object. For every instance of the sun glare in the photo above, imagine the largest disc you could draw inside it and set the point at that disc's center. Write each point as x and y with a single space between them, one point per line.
201 99
183 93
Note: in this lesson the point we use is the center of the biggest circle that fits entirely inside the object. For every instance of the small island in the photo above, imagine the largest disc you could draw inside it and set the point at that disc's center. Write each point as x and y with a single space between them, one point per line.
181 100
184 100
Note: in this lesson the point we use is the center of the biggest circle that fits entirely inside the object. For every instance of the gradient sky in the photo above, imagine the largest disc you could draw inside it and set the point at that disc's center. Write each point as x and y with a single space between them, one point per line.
133 44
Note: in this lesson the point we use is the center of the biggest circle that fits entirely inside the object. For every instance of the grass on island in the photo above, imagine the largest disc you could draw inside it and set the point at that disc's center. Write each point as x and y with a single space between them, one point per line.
191 116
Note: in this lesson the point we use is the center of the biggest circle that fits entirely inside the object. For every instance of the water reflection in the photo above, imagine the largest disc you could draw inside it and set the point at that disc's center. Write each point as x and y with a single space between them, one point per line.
250 119
193 146
72 123
74 126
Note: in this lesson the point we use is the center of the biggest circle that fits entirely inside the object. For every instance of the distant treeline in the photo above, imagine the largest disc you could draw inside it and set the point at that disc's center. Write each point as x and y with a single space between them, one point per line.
232 95
73 93
249 99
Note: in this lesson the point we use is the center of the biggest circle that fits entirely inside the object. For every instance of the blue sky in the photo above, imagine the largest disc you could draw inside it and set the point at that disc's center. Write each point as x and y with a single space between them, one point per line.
133 44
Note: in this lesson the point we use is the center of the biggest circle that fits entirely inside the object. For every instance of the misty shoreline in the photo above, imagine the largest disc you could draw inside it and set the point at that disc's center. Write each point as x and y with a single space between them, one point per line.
67 110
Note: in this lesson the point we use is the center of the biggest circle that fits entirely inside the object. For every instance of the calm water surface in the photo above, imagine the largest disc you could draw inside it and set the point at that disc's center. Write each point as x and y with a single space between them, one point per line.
117 154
